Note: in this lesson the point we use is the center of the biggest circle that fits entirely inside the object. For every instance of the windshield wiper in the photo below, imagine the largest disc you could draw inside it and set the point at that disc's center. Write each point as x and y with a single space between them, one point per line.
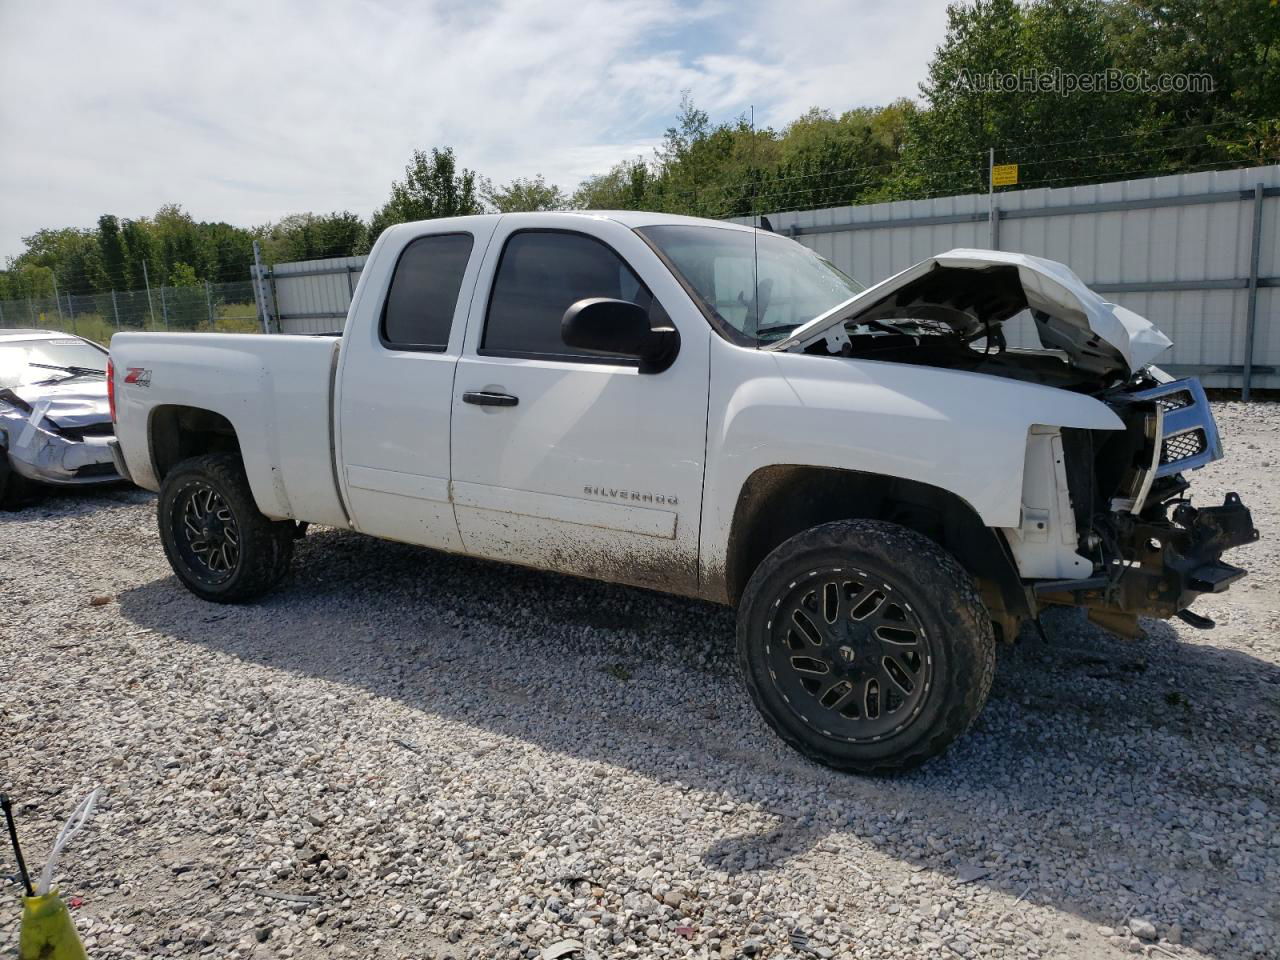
72 370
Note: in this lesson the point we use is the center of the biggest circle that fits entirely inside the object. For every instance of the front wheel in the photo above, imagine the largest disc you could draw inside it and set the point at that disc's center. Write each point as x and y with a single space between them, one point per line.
865 645
218 543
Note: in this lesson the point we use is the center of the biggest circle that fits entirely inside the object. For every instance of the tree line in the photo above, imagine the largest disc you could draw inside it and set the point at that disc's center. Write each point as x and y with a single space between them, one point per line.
1173 86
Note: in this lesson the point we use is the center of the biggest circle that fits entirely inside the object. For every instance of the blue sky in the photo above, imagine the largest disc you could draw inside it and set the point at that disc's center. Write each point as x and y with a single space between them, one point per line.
248 111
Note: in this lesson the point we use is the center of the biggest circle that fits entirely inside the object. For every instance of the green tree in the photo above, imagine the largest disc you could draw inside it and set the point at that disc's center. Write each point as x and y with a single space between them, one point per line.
525 194
310 236
433 187
624 187
114 255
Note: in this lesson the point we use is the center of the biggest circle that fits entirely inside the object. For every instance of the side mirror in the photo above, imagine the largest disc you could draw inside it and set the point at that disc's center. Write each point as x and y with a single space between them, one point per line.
607 326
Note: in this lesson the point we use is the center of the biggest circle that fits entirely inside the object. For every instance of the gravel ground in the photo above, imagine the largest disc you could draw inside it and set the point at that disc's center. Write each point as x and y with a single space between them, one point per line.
438 757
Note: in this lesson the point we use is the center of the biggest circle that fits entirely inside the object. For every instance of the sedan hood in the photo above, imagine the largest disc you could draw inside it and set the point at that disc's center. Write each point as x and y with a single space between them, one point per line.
991 286
73 403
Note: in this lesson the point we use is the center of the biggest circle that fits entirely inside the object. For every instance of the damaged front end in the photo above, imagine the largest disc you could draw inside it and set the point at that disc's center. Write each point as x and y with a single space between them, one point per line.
56 436
1154 553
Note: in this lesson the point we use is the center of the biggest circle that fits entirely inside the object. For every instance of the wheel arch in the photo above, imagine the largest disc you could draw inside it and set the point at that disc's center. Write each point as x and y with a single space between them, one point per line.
176 432
777 502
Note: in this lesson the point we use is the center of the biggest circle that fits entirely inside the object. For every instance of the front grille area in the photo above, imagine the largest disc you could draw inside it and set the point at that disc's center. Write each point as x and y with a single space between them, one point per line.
1175 401
105 429
96 470
1183 446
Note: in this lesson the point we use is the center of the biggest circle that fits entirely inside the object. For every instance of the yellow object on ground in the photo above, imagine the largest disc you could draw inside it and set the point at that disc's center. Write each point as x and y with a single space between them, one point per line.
47 932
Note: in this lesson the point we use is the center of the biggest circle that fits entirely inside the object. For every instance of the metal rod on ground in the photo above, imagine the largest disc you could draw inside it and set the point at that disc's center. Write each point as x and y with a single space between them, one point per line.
147 280
1251 310
208 300
115 309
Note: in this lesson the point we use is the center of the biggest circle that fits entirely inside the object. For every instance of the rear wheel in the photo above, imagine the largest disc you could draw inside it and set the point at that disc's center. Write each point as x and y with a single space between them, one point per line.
218 543
865 645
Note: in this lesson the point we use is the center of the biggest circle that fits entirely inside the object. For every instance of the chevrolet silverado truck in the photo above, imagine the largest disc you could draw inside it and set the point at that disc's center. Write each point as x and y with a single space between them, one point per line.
879 480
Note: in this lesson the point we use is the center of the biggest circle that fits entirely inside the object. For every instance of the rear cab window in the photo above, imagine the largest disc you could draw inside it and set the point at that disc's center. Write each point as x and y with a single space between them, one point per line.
540 275
418 312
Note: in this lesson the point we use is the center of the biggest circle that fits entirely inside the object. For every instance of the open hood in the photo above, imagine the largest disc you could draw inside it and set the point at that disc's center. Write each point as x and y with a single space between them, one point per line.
976 291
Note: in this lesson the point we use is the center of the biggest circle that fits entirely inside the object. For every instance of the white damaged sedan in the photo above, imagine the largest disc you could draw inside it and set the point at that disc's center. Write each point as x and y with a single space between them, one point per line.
55 421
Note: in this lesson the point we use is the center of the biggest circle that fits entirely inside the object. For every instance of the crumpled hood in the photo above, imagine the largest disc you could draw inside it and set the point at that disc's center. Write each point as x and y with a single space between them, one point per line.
78 402
1079 321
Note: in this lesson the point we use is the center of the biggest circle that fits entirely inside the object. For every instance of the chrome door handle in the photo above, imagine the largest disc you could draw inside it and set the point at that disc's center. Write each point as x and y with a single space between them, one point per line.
484 398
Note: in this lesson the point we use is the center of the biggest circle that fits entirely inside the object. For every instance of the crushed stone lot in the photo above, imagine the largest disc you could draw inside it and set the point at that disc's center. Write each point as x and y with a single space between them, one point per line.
404 754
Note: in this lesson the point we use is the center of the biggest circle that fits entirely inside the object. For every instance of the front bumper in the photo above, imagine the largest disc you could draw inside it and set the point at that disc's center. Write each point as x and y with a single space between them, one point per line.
48 457
1167 563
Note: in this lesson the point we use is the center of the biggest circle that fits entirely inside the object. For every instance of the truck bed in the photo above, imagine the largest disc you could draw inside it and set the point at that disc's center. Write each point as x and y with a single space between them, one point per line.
276 391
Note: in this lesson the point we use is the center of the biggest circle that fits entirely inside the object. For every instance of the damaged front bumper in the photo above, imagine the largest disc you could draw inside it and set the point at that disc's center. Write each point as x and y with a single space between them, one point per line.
1168 563
1158 553
48 456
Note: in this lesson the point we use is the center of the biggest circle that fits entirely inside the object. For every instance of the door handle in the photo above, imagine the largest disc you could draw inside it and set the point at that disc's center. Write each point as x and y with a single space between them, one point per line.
485 398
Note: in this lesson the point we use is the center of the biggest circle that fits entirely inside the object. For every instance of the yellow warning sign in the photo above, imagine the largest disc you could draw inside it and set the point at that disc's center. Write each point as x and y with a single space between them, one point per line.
1004 175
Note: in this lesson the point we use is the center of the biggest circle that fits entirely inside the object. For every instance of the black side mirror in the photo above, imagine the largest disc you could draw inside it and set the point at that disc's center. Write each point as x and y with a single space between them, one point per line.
607 326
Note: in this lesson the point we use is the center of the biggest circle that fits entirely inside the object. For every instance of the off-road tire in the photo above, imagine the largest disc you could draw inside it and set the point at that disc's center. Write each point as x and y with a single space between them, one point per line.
926 580
265 546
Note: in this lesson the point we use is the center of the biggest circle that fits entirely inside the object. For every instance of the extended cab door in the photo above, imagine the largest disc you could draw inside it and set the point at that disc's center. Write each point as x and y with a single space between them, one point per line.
395 384
571 462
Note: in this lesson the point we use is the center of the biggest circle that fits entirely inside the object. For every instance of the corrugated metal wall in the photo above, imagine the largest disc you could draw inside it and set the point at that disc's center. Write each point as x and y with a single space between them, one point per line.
1178 250
1184 264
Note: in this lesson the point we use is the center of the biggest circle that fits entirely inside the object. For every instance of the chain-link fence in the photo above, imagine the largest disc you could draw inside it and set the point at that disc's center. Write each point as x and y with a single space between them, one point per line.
221 307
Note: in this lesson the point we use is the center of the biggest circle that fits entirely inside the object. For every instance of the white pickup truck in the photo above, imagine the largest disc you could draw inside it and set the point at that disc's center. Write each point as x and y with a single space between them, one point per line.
881 483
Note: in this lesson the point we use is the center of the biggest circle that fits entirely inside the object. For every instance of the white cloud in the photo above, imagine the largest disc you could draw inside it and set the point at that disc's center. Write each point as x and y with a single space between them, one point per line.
245 111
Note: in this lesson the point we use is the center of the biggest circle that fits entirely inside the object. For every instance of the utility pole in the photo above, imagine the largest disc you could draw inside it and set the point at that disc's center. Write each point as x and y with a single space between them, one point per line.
147 280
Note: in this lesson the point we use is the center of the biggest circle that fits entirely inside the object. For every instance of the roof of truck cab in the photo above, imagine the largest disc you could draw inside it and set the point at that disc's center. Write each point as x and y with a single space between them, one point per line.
627 218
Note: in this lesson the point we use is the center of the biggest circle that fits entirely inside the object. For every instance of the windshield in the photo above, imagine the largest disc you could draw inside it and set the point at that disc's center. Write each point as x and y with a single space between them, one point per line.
38 361
762 286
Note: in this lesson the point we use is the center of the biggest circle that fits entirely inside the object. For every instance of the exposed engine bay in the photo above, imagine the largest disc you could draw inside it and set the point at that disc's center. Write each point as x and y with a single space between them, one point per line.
1106 523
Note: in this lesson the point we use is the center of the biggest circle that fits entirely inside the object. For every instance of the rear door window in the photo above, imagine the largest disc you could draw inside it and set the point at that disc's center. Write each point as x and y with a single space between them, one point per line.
424 292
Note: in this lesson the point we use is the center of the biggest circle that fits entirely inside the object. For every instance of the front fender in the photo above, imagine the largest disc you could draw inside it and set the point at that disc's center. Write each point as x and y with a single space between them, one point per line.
962 432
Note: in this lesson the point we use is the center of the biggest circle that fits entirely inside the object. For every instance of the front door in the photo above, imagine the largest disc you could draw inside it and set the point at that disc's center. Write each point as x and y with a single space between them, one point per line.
569 462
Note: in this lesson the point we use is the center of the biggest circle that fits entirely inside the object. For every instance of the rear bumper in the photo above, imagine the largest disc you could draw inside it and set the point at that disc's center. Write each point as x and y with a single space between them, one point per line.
117 458
1168 562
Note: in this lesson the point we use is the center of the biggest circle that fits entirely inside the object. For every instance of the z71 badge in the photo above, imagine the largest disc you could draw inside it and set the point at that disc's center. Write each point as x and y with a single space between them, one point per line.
139 375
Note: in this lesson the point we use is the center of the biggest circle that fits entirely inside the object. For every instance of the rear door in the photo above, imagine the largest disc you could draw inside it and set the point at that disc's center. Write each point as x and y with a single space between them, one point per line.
395 385
572 462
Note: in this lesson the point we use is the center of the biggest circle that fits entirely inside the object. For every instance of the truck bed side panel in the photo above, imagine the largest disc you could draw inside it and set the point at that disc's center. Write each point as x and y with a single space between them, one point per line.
273 389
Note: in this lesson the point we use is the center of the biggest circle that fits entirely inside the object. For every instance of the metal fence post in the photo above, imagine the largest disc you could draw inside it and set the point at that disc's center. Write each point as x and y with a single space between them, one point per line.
57 299
1251 311
208 300
115 309
164 310
260 289
147 280
31 311
71 309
